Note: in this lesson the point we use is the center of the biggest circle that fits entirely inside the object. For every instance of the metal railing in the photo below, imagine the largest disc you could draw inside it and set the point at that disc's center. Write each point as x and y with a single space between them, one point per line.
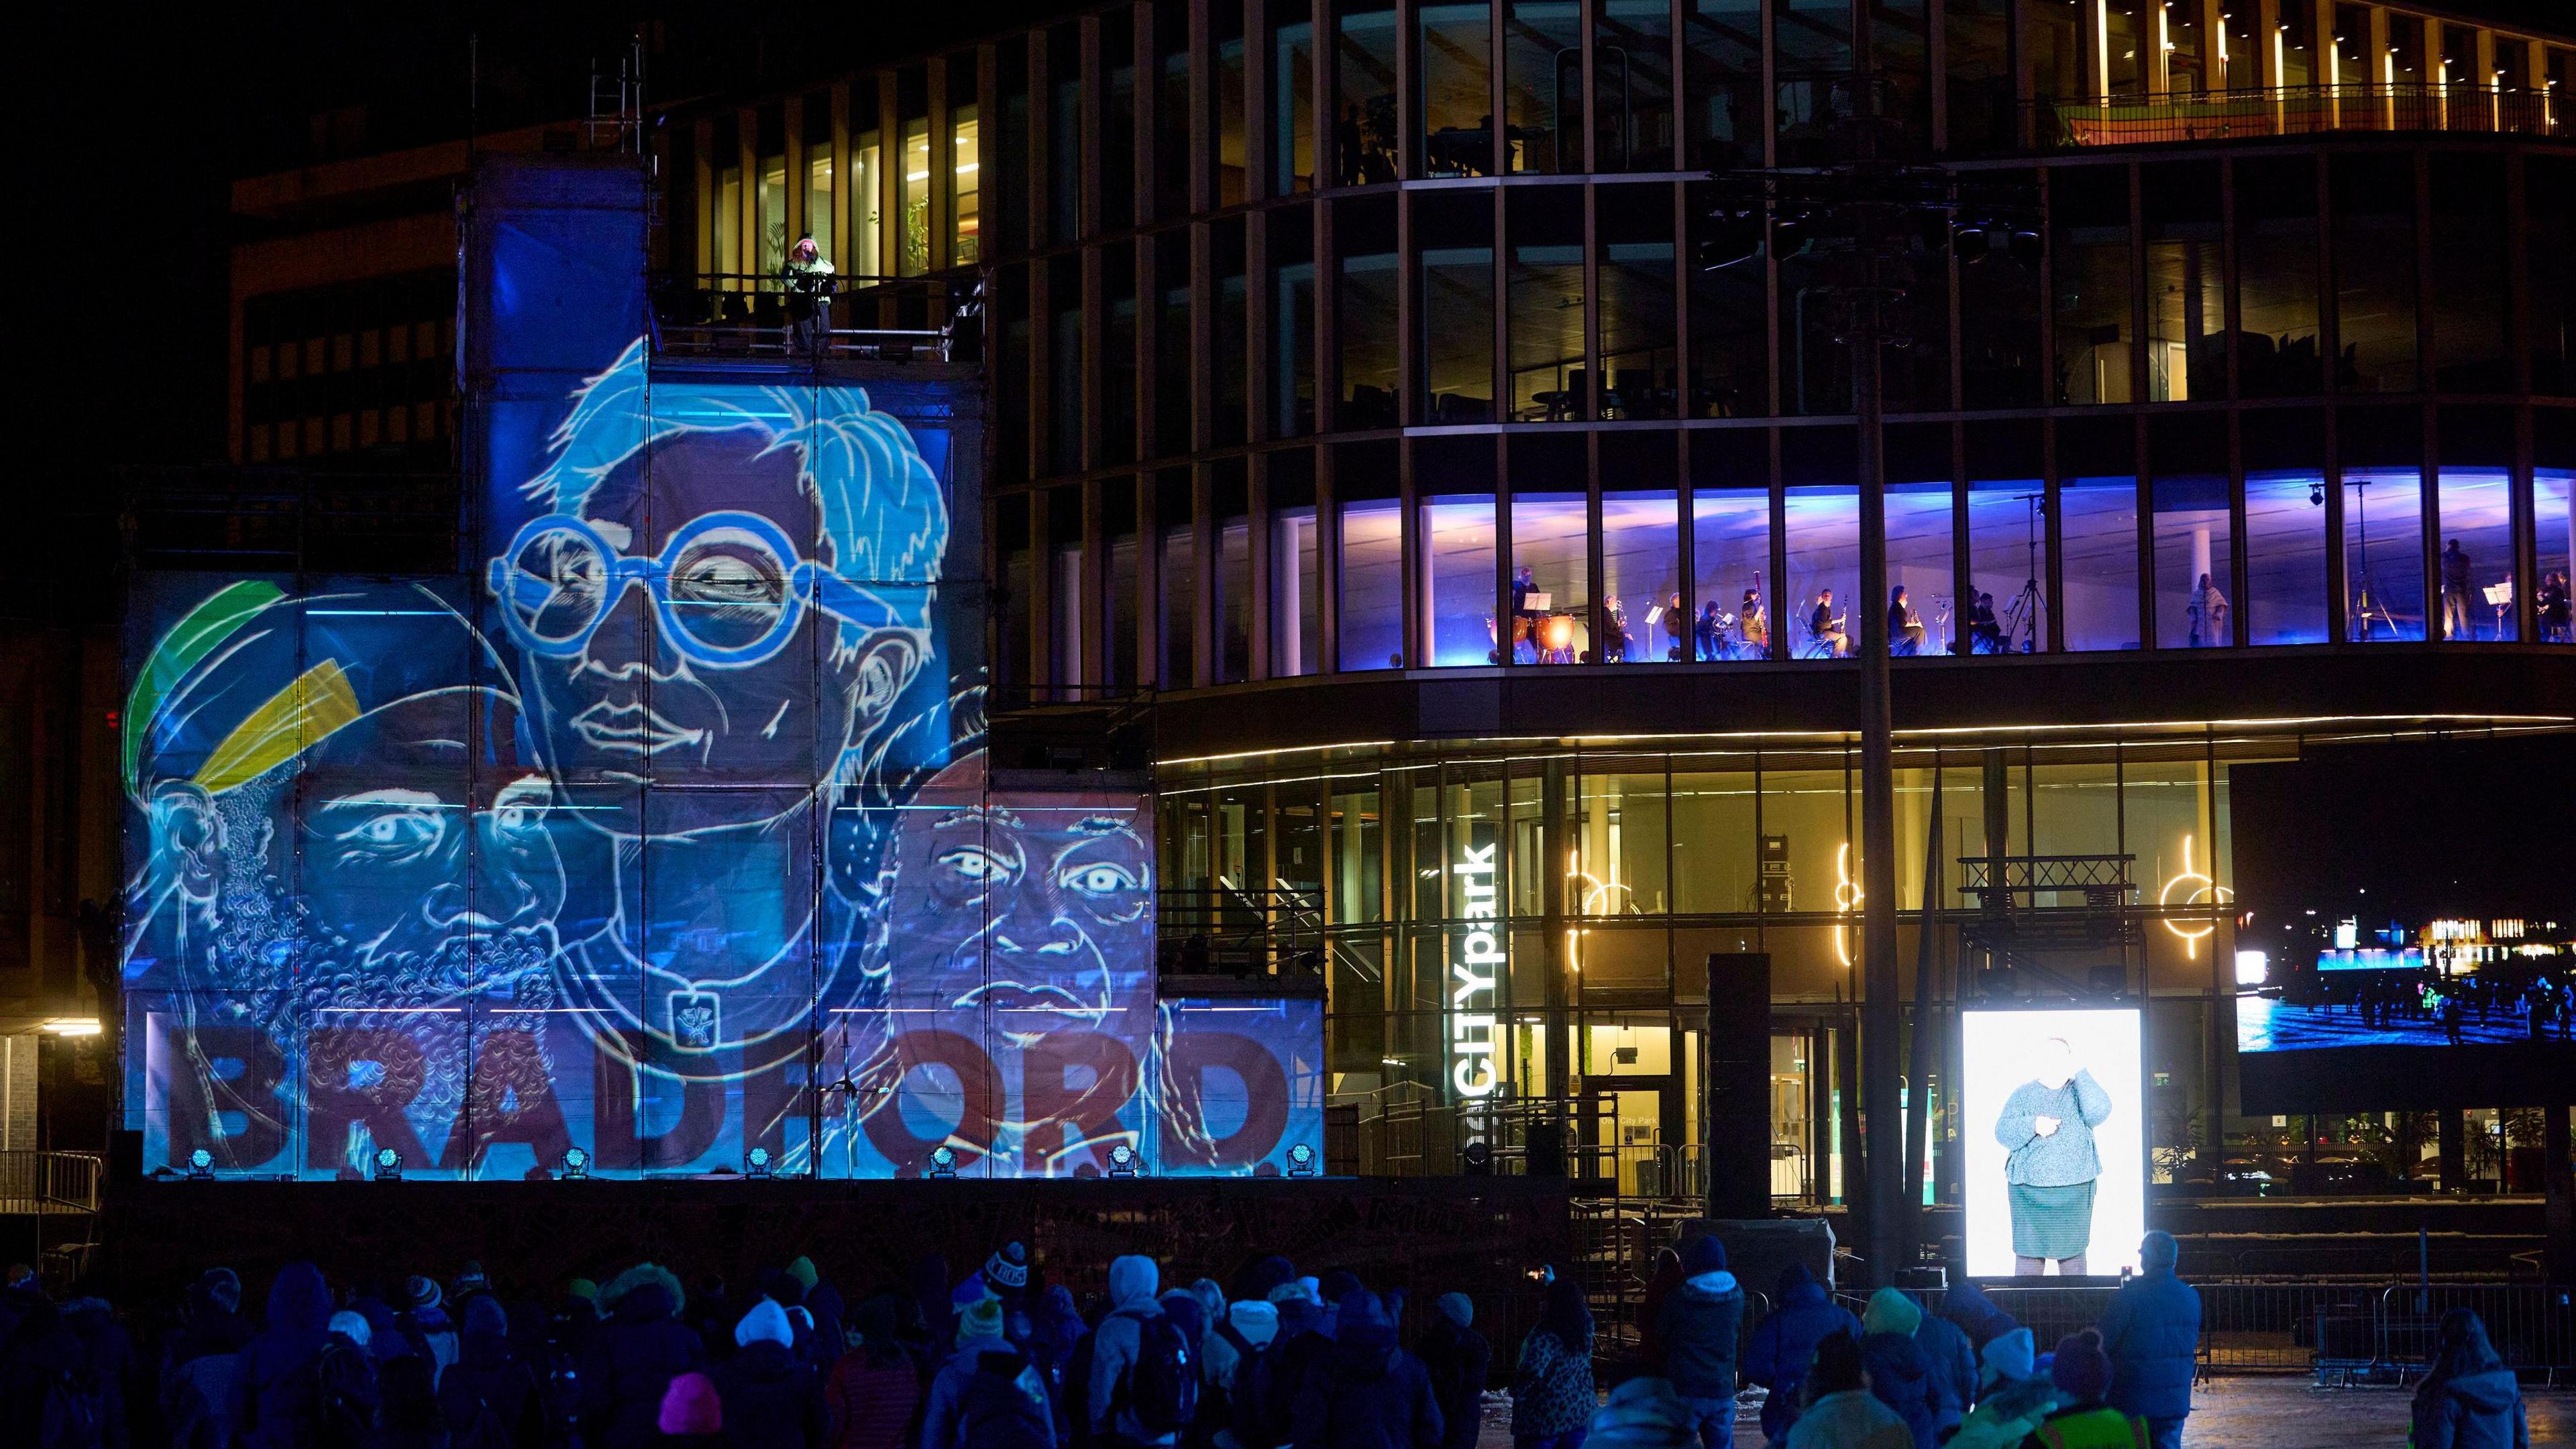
2295 111
50 1182
750 314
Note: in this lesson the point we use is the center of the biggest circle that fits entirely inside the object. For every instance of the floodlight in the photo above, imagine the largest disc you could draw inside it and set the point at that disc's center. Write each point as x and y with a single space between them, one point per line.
576 1164
201 1166
755 1163
1122 1161
1301 1161
388 1165
943 1161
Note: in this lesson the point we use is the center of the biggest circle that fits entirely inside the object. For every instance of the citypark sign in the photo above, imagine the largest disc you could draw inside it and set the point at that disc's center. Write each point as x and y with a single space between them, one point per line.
1473 971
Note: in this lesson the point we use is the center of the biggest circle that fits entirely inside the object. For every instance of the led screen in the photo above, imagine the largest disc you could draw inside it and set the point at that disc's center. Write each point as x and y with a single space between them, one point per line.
2055 1177
663 833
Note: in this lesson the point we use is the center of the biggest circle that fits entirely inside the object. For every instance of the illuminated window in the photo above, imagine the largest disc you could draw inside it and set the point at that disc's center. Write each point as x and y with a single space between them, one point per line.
966 235
916 196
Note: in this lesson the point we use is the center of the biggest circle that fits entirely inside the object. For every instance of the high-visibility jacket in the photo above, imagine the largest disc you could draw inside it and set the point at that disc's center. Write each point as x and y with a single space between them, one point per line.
2096 1428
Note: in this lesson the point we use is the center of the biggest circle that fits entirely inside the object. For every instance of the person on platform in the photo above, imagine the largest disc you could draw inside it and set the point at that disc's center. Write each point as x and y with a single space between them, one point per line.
1708 633
2553 603
1904 626
1697 1326
2083 1418
1552 1380
2046 1128
1840 1410
1985 631
1753 625
772 1398
2207 613
1458 1359
1899 1373
2470 1400
2151 1330
808 280
1783 1344
633 1357
2457 600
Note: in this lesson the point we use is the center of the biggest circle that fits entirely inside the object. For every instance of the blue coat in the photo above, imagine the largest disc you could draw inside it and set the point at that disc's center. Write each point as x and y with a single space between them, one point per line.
273 1403
1954 1364
2480 1410
2151 1330
1697 1325
1902 1378
1783 1346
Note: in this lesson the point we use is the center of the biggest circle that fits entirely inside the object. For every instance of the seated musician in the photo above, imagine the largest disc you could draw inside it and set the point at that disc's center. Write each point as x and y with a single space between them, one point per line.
1827 626
1753 625
1985 633
1904 626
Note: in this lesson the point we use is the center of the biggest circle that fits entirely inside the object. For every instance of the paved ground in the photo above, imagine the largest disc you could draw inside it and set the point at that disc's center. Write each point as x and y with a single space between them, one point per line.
2253 1413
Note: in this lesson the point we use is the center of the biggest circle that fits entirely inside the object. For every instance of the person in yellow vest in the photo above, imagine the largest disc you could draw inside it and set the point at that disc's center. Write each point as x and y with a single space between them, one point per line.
2082 1374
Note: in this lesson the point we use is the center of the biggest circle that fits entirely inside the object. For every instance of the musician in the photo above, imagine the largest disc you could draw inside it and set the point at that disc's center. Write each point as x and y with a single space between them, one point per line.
2208 613
1614 644
2553 603
1525 622
1827 626
1676 625
808 279
1754 625
1985 632
1904 626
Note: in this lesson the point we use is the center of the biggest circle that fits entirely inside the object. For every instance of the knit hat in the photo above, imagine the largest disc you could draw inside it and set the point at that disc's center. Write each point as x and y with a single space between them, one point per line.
583 1289
1891 1311
1009 1268
801 1268
690 1406
2159 1251
1703 1254
982 1319
223 1285
766 1320
1458 1308
2082 1372
352 1326
421 1293
2010 1355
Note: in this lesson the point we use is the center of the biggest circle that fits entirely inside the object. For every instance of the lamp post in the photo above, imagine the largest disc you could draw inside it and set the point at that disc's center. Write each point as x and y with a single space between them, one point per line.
1868 221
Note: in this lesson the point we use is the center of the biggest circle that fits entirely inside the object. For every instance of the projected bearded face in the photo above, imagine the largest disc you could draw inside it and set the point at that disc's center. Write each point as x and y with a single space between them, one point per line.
1038 915
714 689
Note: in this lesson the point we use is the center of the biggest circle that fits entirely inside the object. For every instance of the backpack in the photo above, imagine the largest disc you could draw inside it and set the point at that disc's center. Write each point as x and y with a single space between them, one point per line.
1259 1413
344 1397
1161 1388
75 1410
1003 1405
485 1430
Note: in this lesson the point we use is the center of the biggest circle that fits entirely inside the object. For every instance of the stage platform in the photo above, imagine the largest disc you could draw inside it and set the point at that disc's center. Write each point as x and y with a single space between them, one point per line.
1428 1236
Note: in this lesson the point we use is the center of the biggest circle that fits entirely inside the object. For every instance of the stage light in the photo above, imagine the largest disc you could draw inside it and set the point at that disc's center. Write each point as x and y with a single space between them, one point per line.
388 1165
576 1164
1479 1158
1122 1161
201 1166
1301 1161
943 1161
755 1163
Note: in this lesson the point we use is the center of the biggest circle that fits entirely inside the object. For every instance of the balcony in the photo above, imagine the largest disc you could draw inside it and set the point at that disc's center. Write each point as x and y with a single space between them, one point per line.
2295 111
879 319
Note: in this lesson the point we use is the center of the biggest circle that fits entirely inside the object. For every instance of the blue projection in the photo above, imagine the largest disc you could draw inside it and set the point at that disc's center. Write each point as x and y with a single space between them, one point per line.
665 833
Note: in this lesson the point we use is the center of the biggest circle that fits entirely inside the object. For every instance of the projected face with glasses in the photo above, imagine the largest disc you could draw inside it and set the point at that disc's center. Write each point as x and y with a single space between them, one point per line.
681 628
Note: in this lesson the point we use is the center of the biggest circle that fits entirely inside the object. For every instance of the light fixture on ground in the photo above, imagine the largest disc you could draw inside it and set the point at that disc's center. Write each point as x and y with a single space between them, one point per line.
1301 1161
755 1163
1122 1161
943 1161
201 1166
576 1164
388 1165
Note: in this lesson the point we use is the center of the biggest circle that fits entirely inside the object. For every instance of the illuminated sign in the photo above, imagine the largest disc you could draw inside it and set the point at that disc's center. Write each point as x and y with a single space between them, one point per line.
2371 958
1472 974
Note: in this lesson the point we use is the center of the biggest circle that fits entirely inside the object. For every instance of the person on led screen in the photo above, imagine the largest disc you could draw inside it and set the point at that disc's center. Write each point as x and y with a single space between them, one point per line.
730 596
314 849
2047 1128
1036 923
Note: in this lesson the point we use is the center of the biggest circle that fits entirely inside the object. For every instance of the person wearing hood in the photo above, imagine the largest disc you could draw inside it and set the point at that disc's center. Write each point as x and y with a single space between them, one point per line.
2013 1396
831 1336
1236 1342
1954 1364
1216 1355
197 1367
1370 1393
982 1349
273 1403
1116 1347
2083 1375
489 1391
2470 1400
1784 1344
1967 1305
1055 1331
1899 1373
633 1356
1643 1412
772 1399
1840 1411
1458 1360
1697 1326
2151 1330
1552 1380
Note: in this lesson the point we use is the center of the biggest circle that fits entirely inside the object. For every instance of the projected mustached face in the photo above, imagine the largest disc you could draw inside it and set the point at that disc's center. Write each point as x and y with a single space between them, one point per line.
1039 916
686 627
408 854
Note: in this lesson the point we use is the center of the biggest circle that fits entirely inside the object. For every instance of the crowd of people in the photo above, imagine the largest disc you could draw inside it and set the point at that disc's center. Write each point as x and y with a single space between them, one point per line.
1005 1360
